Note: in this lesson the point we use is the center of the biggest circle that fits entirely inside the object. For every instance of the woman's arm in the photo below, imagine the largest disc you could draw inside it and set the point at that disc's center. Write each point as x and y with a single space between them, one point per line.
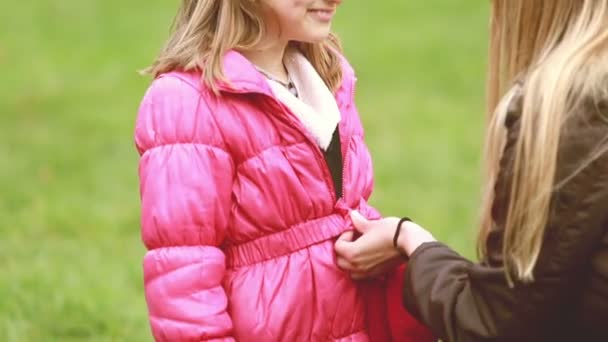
465 301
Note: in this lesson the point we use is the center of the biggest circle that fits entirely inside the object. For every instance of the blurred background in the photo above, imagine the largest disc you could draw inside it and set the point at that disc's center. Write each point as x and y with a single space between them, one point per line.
70 250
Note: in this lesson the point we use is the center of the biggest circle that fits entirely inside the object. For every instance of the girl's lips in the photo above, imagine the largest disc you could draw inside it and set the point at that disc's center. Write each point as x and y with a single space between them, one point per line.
323 15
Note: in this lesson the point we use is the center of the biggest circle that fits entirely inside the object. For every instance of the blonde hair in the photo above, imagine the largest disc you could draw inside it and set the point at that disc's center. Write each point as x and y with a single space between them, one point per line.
204 30
555 46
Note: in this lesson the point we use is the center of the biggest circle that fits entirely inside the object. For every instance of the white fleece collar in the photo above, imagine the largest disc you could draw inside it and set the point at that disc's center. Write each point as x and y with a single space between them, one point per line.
316 106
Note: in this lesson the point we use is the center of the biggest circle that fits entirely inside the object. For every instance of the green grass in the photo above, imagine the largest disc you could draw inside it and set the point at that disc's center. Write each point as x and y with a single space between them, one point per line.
70 251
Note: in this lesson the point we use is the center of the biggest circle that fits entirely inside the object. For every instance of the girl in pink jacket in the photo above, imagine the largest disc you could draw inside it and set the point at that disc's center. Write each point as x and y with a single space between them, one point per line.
252 157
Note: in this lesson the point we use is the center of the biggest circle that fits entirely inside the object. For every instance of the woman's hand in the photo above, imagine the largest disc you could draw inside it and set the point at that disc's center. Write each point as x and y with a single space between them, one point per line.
373 253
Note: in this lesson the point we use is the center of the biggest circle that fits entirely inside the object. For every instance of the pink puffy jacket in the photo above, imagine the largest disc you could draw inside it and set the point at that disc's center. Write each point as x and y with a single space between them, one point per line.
240 217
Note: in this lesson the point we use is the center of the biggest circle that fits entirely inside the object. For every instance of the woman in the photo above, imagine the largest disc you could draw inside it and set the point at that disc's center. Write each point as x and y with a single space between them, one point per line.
543 242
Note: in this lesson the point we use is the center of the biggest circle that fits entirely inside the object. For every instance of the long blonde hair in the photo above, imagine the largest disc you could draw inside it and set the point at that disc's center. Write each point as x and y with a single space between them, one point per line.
204 30
555 46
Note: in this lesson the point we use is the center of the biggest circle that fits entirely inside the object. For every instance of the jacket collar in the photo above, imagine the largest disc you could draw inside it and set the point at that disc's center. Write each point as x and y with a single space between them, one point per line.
243 77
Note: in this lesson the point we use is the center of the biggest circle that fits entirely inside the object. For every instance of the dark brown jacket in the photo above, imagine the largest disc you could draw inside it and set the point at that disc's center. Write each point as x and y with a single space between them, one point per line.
568 301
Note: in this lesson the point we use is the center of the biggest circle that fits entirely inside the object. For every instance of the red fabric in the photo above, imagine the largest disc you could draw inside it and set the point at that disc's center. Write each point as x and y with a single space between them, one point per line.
387 319
403 326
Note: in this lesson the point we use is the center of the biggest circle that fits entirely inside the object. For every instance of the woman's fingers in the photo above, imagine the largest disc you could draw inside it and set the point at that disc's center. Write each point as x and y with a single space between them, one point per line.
373 273
372 253
361 223
345 265
344 246
359 275
347 236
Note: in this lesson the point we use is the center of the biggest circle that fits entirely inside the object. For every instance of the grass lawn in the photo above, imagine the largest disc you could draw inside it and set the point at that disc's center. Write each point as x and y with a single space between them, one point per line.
70 251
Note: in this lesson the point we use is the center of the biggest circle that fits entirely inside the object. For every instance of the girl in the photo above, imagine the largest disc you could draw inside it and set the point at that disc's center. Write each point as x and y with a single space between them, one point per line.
252 156
544 234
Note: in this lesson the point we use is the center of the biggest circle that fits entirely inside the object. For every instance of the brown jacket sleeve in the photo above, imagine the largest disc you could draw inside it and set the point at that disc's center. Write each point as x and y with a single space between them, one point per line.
465 301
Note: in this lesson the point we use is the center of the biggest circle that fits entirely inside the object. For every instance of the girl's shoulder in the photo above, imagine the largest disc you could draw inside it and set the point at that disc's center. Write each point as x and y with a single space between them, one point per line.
176 110
177 81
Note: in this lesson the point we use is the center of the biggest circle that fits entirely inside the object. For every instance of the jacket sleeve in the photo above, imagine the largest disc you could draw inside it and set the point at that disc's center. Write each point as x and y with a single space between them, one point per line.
185 187
465 301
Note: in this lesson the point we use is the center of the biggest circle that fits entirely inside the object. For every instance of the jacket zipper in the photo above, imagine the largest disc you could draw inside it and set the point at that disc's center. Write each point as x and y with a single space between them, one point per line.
347 139
294 123
292 120
317 150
